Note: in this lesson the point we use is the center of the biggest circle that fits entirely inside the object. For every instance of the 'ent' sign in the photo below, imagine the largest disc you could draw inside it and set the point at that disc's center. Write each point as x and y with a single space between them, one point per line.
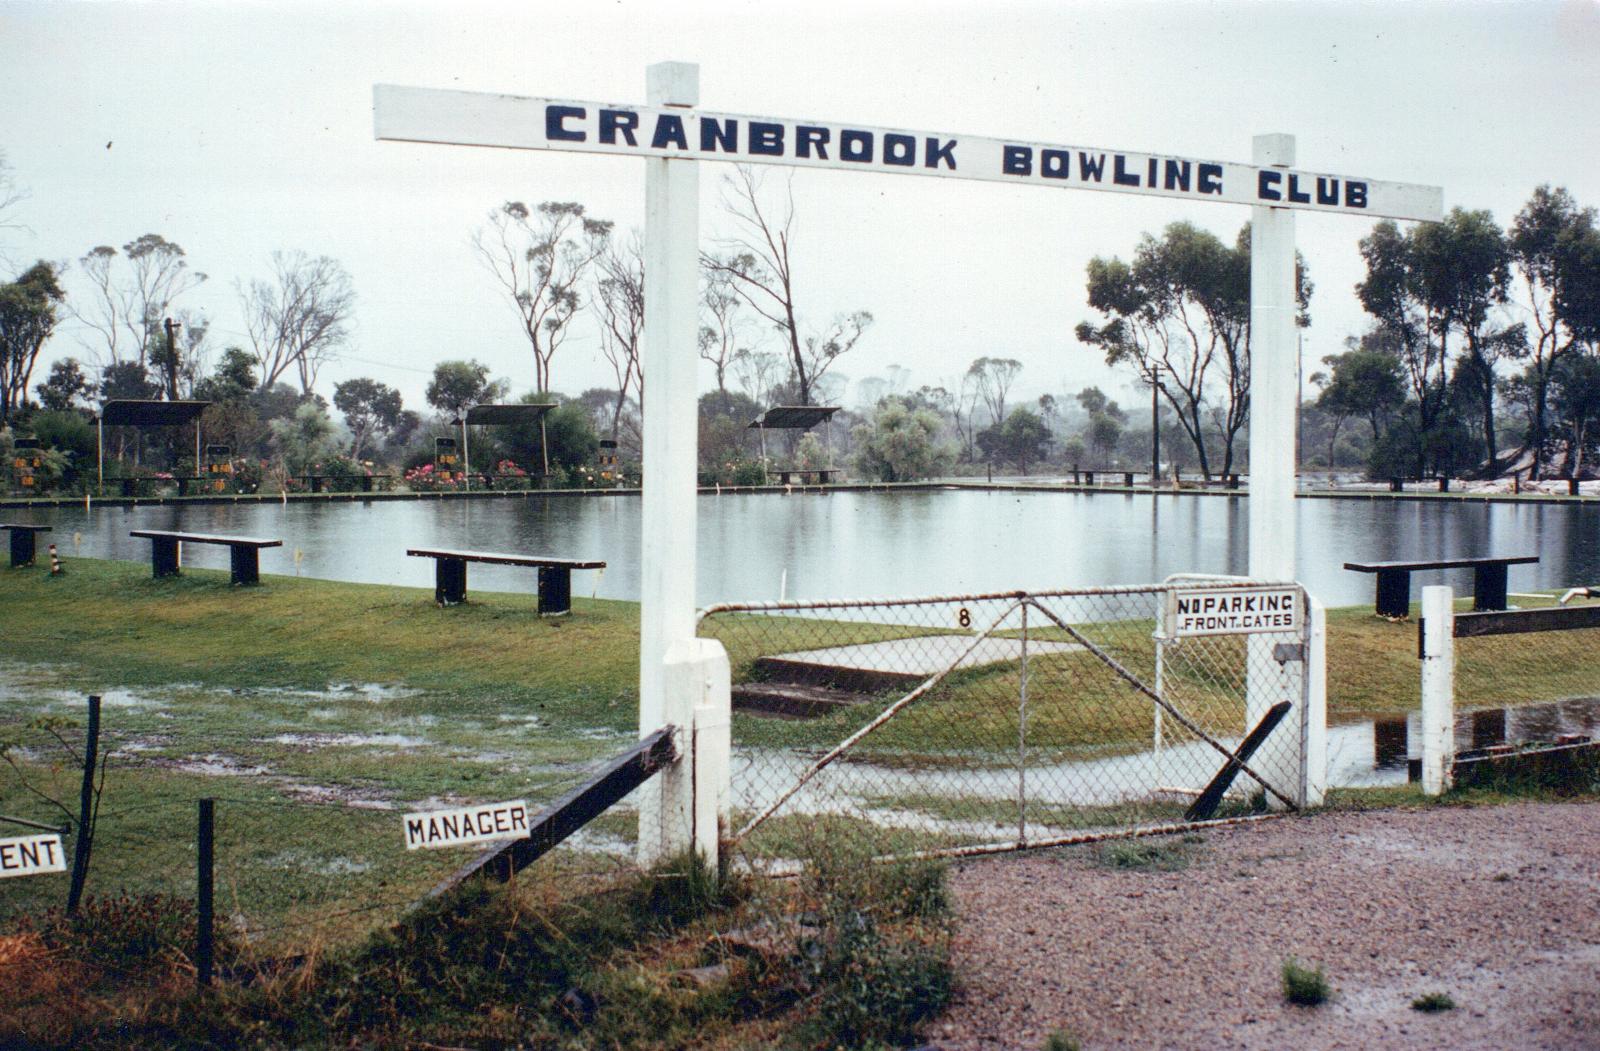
470 118
30 855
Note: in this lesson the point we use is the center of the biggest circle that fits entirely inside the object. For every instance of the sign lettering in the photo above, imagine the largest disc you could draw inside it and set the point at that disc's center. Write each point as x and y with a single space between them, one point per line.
1232 611
471 118
31 855
479 824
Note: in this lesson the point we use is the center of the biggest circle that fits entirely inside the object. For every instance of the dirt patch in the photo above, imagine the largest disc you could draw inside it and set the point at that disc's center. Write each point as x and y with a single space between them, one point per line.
1495 906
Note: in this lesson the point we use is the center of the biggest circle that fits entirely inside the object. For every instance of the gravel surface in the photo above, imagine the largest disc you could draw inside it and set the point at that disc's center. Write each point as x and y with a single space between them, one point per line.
1499 907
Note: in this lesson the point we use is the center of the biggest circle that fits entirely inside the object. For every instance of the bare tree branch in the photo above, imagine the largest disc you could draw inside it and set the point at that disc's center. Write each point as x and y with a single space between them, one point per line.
299 318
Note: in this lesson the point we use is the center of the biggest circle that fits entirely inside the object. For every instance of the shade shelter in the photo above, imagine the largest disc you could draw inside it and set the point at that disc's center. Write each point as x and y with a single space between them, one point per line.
502 416
140 413
793 418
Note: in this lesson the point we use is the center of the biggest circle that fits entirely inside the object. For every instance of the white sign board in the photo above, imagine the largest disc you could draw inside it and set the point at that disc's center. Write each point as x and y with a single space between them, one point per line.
1232 611
31 855
471 118
477 824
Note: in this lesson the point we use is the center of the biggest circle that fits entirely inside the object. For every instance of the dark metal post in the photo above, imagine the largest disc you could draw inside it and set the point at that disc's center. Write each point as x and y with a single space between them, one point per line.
204 935
1155 433
85 837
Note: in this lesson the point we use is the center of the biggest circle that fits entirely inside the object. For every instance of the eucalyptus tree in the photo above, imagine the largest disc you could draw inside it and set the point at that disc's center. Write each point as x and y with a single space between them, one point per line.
29 310
1179 315
458 385
1367 382
370 408
992 379
620 293
1547 239
541 256
299 317
1462 267
130 293
756 263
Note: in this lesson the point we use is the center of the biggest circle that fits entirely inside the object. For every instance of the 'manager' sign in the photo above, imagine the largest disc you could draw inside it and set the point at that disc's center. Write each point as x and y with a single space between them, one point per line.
472 118
478 824
1232 611
31 855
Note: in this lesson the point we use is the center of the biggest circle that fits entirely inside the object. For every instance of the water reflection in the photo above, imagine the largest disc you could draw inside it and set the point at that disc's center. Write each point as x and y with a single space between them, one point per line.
863 544
1375 753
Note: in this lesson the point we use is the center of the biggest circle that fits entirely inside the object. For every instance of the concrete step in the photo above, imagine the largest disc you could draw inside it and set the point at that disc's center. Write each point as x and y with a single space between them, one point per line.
792 700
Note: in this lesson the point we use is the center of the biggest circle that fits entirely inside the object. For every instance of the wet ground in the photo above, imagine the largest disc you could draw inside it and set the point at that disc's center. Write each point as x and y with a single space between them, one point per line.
1495 907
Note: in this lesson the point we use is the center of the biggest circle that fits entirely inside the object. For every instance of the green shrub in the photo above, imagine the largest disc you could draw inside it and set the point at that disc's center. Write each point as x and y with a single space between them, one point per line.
1061 1040
1304 986
1431 1003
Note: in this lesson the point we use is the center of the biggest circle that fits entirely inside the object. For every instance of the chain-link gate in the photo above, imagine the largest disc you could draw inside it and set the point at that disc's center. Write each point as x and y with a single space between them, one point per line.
972 723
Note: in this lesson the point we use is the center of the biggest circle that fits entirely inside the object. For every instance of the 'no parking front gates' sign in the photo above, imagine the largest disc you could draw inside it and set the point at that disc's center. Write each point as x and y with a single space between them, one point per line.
1232 611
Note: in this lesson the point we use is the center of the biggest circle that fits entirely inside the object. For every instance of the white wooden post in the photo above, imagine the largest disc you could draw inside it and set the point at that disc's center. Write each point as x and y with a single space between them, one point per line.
1273 372
671 360
1274 368
1314 751
1438 688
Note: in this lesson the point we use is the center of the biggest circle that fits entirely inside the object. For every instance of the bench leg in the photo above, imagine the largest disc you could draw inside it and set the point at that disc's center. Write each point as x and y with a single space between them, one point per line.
164 557
246 564
555 590
22 548
1394 593
1489 587
449 581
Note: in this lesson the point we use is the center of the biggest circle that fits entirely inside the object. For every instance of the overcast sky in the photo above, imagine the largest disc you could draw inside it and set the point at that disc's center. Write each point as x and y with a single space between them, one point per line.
236 129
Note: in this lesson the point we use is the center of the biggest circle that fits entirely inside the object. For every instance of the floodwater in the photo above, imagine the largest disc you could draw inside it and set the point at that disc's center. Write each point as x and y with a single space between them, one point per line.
808 545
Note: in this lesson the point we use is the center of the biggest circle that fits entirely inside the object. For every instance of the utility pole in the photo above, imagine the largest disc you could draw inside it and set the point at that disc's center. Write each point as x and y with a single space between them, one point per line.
172 359
1155 432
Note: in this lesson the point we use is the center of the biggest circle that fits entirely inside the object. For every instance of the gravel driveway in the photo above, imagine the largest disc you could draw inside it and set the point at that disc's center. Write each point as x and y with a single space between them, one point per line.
1497 906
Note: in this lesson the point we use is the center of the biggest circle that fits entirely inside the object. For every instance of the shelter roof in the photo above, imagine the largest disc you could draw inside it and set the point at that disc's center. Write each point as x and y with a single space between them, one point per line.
793 417
495 415
139 413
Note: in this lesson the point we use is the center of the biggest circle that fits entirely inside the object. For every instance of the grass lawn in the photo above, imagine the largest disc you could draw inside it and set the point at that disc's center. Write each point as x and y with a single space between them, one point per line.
316 711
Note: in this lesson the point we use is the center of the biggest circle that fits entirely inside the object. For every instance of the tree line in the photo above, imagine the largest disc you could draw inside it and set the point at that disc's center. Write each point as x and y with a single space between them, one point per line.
1476 334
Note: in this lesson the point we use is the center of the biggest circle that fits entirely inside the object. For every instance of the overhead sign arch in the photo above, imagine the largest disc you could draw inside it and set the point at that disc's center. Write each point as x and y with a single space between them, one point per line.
671 136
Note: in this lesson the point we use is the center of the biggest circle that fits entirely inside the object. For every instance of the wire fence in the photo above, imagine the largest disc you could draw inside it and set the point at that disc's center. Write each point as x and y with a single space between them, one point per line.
297 865
986 722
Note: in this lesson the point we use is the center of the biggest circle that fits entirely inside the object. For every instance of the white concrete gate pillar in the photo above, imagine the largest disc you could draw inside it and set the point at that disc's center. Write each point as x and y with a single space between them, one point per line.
1274 373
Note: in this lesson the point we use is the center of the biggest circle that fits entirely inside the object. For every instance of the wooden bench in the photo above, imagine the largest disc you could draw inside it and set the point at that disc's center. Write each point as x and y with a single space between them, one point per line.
823 476
244 551
23 547
555 575
1394 580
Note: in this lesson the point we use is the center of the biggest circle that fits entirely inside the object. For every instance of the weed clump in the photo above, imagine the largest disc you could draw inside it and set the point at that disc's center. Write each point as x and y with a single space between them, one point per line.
1304 986
1159 856
1061 1040
1432 1003
875 959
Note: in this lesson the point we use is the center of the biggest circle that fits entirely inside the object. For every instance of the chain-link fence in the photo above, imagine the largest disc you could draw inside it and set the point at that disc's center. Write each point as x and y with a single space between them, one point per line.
988 722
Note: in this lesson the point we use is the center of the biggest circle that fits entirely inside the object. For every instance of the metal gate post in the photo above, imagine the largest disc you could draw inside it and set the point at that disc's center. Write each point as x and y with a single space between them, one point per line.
1022 737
